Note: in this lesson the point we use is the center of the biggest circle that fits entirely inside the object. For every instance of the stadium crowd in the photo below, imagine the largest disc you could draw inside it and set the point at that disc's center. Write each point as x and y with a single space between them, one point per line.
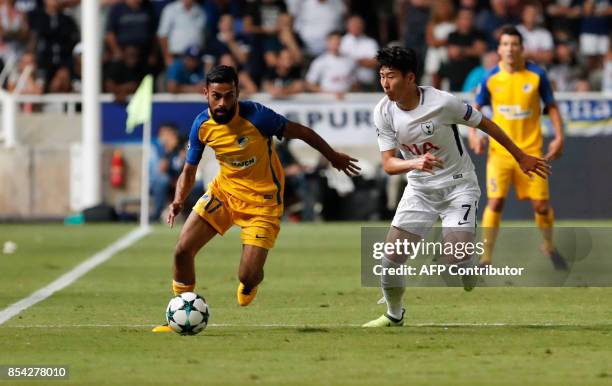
293 46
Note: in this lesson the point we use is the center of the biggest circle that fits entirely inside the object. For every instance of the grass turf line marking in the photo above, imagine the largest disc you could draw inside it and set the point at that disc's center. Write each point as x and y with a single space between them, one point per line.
71 276
272 325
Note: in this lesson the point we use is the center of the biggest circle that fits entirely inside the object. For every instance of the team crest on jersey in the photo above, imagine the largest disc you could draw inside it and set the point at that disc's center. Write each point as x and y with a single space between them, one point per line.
242 142
427 127
527 87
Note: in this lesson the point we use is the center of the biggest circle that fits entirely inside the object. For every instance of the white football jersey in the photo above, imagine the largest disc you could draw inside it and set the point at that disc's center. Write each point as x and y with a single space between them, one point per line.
429 127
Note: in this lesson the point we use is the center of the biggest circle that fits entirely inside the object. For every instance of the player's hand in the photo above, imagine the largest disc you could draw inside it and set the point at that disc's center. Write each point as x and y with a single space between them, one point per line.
427 162
173 210
555 149
345 163
477 143
530 164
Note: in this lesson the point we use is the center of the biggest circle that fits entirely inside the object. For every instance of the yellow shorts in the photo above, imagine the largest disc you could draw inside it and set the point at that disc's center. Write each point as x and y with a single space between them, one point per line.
503 171
260 224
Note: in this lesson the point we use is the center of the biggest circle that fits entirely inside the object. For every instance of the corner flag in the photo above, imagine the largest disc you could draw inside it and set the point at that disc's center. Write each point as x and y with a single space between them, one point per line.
139 108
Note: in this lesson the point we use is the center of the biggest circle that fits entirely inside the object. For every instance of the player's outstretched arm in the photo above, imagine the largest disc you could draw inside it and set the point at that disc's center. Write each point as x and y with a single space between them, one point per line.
340 161
528 164
183 187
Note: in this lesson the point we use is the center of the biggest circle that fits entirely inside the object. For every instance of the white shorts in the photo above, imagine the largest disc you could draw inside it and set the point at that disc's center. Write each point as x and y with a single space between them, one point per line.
456 206
591 44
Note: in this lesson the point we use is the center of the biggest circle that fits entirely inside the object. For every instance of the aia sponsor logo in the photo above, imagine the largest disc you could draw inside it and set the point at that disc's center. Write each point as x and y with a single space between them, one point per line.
419 149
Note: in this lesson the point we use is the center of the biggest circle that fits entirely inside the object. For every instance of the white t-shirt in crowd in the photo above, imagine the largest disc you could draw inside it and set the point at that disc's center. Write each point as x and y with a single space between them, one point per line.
333 73
183 28
538 39
357 48
315 19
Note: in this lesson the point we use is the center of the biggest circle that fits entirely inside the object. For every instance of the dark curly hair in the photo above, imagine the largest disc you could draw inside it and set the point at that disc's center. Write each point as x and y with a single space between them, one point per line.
399 58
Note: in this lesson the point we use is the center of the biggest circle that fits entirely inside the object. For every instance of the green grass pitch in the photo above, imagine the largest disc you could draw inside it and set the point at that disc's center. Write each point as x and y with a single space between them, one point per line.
301 329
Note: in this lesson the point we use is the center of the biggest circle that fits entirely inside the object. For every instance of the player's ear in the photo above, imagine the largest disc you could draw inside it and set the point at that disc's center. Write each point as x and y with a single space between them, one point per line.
411 77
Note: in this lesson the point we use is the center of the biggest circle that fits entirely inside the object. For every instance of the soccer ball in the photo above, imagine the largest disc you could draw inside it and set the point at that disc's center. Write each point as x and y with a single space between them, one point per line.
187 313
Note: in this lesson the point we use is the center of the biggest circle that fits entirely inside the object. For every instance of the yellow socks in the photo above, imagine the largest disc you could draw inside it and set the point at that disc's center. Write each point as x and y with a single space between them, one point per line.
545 223
490 224
245 298
179 288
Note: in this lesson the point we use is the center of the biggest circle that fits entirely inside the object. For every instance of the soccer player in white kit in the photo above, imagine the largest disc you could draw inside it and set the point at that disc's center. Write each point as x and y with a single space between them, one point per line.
421 122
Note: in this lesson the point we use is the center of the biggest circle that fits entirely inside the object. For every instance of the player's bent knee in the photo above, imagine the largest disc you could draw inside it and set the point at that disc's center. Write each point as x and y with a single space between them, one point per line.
541 207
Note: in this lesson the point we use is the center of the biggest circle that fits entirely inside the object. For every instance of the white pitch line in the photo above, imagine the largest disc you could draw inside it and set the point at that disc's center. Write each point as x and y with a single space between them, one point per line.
314 326
71 276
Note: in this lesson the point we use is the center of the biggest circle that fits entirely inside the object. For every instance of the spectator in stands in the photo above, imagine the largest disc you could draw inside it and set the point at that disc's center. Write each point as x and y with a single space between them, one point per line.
465 48
261 17
315 19
537 41
565 71
132 23
474 78
167 159
125 75
13 32
413 19
332 72
186 74
54 35
362 49
286 39
245 82
182 25
583 84
440 26
33 83
564 16
490 21
595 31
226 41
214 9
284 80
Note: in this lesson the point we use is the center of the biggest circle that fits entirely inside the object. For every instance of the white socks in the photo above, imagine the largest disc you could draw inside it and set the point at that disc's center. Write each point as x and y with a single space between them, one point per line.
393 287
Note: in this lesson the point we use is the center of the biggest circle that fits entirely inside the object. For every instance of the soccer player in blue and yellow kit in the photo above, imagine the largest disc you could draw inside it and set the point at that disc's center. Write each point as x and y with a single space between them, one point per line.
514 89
249 188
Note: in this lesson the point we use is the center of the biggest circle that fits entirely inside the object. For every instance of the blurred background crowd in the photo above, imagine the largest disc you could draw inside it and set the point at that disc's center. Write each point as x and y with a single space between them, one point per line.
293 46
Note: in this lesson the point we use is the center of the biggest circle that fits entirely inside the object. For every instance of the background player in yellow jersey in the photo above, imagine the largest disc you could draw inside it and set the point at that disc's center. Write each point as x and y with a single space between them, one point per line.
514 89
249 188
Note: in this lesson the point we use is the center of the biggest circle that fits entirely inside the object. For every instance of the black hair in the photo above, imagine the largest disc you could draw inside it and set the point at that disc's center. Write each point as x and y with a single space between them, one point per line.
399 58
222 74
511 30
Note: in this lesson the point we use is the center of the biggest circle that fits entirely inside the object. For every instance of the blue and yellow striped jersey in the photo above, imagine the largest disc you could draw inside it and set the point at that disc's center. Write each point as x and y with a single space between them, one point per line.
515 99
250 167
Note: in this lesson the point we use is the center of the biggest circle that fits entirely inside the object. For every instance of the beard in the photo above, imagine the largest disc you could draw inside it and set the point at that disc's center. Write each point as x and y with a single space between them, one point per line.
222 115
